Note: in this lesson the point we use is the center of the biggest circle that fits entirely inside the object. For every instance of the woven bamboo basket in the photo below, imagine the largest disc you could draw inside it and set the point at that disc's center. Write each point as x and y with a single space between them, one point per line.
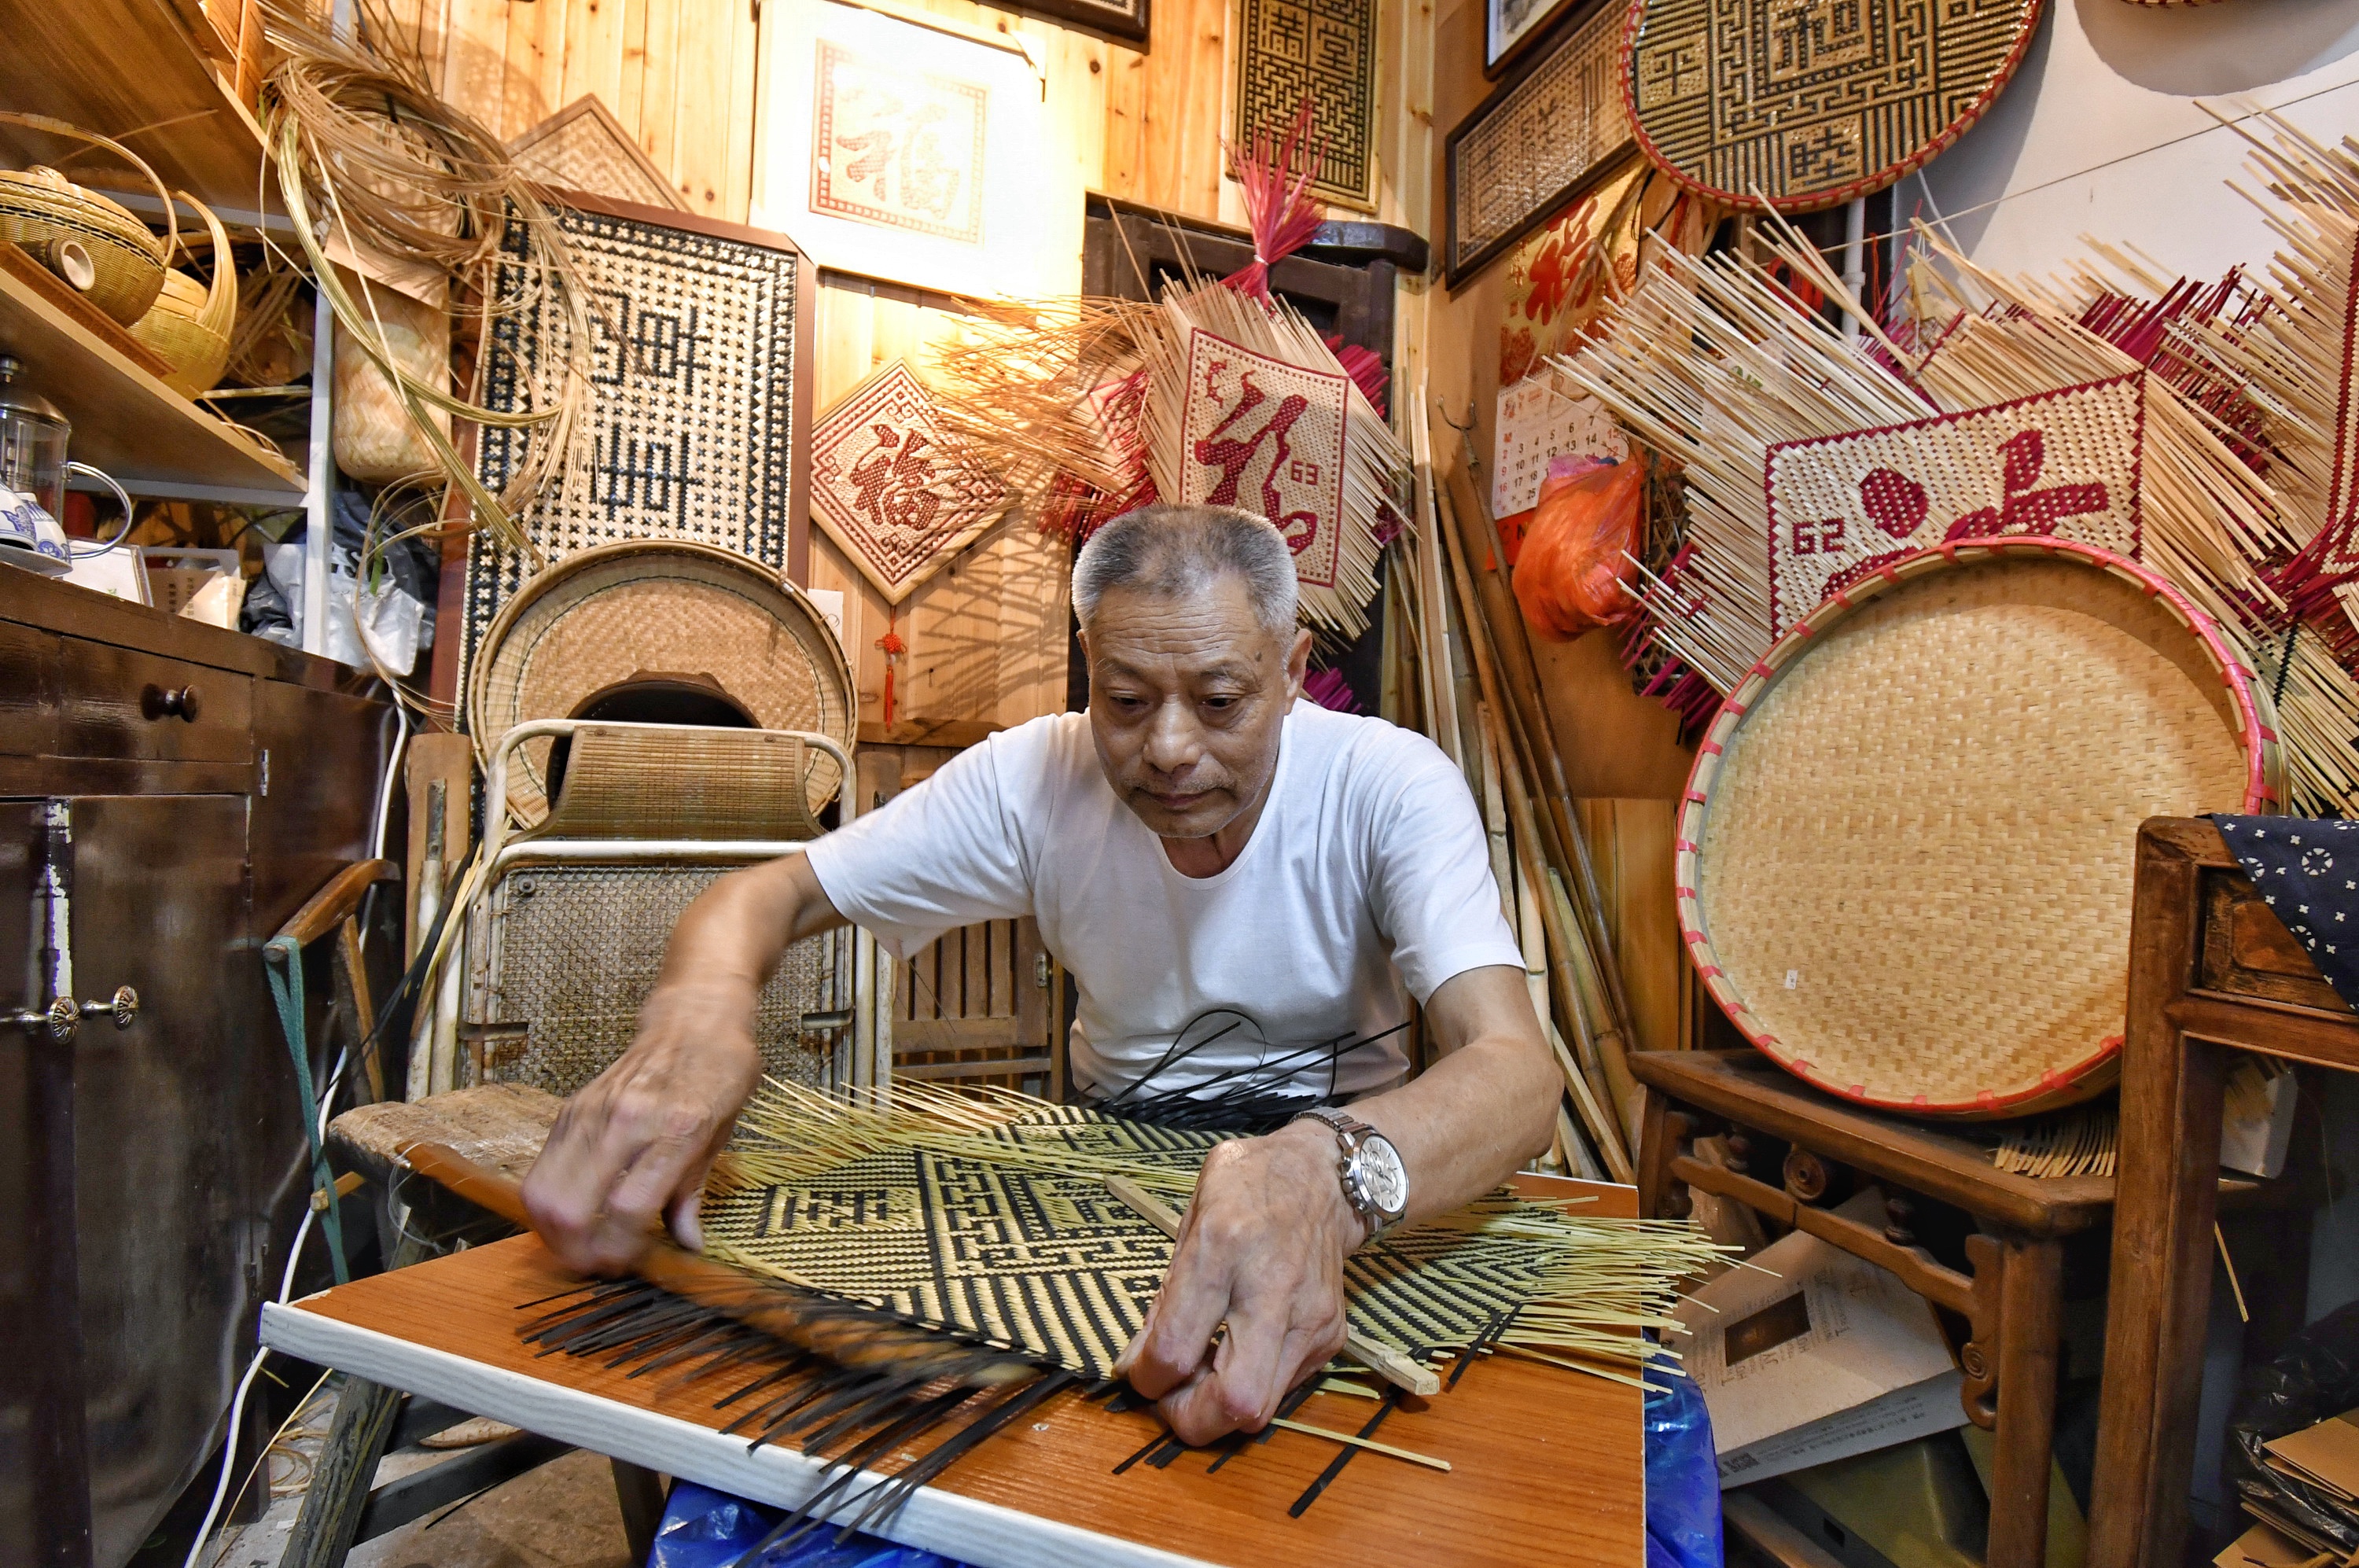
41 206
190 322
640 608
1904 857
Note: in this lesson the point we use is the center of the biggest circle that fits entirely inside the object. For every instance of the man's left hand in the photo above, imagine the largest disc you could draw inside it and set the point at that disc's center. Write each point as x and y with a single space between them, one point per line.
1262 1250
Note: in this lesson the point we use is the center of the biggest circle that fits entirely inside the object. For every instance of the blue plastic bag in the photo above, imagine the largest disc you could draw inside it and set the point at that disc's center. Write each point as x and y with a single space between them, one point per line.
705 1529
1682 1478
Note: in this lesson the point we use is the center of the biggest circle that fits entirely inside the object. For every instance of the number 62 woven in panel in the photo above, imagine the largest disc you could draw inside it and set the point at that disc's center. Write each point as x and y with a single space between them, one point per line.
698 404
1811 102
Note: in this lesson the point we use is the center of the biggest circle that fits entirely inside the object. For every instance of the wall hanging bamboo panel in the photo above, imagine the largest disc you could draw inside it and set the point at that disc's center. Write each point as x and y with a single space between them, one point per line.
1799 106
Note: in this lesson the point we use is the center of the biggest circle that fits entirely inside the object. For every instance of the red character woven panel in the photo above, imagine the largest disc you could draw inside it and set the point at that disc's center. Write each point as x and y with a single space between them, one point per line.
1267 437
2063 463
893 487
901 150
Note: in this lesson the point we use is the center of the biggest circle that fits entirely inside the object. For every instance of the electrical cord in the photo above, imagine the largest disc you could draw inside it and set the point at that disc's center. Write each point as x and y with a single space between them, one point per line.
326 1105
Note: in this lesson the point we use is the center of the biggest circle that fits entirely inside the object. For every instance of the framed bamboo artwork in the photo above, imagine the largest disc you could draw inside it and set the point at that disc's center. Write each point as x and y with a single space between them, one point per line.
697 425
1324 50
1553 128
1123 19
914 151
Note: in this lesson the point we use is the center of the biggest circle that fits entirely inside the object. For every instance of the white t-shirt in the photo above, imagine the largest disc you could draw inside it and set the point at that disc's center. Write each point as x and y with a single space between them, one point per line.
1367 870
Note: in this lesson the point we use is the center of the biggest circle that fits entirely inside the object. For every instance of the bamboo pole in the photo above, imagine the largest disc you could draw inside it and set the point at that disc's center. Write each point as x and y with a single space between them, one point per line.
1512 642
1584 1001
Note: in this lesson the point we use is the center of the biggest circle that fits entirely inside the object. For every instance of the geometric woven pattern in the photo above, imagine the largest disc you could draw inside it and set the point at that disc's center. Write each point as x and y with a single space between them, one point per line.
1268 437
2064 462
583 147
689 430
894 487
1324 50
1052 1265
1904 865
1813 102
570 952
1515 157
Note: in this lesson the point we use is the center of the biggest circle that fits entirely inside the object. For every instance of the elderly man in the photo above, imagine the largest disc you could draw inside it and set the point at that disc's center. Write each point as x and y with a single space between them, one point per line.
1201 840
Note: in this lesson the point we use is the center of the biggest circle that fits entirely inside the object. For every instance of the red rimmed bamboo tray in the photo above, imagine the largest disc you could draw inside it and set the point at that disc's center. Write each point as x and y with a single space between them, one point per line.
1904 853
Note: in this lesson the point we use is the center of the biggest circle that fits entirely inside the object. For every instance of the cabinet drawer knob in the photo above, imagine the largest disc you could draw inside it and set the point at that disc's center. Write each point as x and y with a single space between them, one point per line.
171 703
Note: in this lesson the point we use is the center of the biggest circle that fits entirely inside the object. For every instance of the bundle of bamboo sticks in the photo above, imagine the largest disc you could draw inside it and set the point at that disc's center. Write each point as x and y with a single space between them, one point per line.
1475 690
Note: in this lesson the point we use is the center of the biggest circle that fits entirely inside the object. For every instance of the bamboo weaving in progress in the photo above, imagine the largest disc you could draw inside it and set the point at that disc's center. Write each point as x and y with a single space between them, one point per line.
1552 1463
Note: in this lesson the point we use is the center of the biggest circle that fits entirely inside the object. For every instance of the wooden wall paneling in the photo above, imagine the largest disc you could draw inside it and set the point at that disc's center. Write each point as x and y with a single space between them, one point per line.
657 101
704 129
594 53
535 65
745 50
473 56
1630 843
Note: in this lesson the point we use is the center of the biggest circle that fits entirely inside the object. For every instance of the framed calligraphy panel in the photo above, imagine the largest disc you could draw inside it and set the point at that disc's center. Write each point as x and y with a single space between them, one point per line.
697 425
894 488
1553 130
2064 463
1268 437
1324 50
912 151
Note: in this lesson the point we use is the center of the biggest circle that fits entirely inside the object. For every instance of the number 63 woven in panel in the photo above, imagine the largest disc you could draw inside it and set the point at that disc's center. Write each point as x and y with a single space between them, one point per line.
697 414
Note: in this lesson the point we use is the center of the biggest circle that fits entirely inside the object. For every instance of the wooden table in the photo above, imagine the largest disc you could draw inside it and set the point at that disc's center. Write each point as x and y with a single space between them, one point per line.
1547 1464
2211 968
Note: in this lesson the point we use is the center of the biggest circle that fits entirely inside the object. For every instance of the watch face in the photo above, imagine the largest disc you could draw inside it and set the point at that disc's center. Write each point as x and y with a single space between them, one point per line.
1386 1179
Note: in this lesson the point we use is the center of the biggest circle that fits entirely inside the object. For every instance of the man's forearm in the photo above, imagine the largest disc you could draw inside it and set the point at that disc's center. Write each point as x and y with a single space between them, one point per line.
736 930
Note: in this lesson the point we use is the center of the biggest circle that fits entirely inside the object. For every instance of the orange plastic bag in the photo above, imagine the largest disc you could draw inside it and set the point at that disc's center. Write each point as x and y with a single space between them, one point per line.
1574 574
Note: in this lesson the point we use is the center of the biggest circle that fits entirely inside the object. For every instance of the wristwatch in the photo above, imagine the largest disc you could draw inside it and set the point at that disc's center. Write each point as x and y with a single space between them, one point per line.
1376 1182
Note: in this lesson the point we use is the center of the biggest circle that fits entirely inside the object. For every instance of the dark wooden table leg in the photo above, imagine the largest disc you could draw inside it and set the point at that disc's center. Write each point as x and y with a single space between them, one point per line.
339 1490
1655 1153
641 1494
2031 1323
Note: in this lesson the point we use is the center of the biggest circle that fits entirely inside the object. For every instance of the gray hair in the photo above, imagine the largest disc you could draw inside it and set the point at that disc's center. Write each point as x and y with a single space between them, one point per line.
1170 551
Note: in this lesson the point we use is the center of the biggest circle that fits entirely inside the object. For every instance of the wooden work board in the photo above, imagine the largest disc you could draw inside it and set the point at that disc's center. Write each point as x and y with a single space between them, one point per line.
1547 1464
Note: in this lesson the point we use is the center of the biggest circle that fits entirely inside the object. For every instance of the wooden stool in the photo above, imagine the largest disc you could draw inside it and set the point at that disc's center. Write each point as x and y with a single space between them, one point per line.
2013 1298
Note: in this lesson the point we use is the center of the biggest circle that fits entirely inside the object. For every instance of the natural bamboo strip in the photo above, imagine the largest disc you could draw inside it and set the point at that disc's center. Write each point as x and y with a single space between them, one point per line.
1371 1444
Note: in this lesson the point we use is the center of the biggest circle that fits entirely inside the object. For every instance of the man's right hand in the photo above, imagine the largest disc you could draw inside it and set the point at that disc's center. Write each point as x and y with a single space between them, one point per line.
634 1146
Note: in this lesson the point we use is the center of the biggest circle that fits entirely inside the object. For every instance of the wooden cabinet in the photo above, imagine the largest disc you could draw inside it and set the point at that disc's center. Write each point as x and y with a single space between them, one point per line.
170 793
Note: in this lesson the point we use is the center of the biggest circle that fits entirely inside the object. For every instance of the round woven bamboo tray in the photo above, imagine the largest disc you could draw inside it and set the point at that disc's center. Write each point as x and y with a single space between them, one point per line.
1904 858
648 606
41 206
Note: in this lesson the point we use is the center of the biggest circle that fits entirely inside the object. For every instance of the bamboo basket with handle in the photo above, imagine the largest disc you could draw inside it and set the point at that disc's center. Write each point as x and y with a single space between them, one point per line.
190 323
39 207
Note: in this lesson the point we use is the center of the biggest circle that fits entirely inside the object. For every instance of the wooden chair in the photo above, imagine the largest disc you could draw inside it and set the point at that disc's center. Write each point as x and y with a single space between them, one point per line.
2010 1297
2212 969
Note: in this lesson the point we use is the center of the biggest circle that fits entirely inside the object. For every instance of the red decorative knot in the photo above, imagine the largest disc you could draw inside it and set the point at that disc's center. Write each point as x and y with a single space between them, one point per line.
893 648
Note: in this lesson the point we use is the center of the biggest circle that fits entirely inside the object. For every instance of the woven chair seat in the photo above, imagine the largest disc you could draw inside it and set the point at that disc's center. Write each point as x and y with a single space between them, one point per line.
686 782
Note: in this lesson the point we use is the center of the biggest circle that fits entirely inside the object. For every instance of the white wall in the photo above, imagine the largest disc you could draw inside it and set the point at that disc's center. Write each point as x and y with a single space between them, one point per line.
2100 133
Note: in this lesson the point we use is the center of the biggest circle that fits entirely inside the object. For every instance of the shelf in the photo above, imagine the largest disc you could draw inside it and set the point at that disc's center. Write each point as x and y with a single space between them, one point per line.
152 440
118 68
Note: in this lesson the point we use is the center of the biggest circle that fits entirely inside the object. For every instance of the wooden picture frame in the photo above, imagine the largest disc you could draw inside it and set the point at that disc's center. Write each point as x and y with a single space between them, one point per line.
1555 127
1129 21
1513 29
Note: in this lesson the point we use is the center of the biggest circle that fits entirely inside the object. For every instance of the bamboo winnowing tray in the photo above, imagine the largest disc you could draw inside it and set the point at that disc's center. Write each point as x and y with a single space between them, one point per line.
1547 1464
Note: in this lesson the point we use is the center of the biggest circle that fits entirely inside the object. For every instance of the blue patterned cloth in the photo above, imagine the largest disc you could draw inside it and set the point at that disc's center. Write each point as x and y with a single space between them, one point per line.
2307 870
